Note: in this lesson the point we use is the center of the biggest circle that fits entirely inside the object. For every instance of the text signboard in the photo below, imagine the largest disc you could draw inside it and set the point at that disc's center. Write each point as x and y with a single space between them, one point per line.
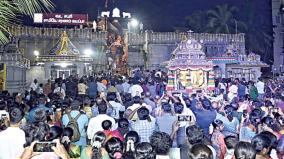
61 19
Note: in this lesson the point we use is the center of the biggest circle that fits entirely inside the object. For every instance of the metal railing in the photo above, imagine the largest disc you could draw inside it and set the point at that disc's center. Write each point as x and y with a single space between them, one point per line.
46 33
87 34
17 86
48 58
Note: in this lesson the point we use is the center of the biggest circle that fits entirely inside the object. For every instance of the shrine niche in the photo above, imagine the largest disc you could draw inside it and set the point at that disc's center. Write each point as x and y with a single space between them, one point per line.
64 47
188 69
64 60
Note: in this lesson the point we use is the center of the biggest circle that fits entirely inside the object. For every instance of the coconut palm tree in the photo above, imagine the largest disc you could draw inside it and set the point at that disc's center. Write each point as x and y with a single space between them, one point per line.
11 9
222 20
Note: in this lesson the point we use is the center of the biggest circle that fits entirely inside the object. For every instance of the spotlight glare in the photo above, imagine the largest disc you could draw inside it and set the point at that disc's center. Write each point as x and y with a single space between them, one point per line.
134 23
36 53
88 52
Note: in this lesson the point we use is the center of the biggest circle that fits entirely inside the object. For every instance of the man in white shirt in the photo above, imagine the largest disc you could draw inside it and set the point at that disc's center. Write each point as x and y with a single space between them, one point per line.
260 89
233 92
82 88
34 85
130 110
148 101
135 89
95 123
60 91
125 86
12 139
117 107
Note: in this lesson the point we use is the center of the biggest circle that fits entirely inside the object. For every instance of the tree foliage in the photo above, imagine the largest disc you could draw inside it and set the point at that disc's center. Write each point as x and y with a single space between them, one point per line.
229 20
11 9
220 19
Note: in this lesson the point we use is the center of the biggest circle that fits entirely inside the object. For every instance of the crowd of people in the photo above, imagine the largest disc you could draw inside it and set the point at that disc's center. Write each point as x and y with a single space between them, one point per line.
109 116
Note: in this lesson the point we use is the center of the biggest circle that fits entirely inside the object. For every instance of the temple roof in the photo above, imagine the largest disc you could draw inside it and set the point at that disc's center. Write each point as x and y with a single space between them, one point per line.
251 60
189 54
64 46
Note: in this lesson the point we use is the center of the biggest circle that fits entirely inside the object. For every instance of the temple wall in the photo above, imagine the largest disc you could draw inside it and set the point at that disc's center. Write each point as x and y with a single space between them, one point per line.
36 72
87 35
16 67
43 39
249 73
16 79
136 60
158 54
157 45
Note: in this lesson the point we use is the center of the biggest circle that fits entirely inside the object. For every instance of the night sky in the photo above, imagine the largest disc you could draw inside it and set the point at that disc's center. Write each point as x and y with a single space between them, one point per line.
159 15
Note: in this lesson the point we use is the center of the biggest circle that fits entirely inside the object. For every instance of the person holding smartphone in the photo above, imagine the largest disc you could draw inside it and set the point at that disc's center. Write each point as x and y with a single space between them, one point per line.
57 148
43 142
167 117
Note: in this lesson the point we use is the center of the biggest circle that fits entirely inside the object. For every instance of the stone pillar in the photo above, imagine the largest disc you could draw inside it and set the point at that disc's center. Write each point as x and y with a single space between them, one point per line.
10 73
223 69
23 78
47 71
80 69
257 72
18 74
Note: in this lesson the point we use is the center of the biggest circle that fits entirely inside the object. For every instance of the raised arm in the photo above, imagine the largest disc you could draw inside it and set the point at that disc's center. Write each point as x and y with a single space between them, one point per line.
119 98
171 96
175 128
108 104
129 114
160 100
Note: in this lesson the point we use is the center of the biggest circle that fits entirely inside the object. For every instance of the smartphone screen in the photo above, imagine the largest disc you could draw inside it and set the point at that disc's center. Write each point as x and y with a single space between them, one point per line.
44 146
184 118
245 113
176 94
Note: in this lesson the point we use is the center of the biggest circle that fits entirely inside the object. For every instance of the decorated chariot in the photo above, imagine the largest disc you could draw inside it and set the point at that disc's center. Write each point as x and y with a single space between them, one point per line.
188 69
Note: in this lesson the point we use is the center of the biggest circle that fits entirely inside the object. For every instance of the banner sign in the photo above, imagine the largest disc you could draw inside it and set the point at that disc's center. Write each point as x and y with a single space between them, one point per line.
61 18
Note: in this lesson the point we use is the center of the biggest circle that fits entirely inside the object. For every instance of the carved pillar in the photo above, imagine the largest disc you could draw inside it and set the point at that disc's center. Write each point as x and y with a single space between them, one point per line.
223 69
47 71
